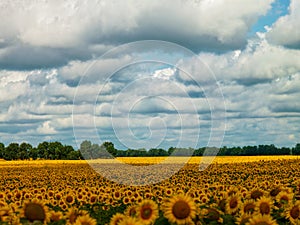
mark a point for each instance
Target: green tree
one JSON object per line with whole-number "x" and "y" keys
{"x": 74, "y": 155}
{"x": 24, "y": 151}
{"x": 109, "y": 146}
{"x": 66, "y": 150}
{"x": 85, "y": 149}
{"x": 43, "y": 150}
{"x": 33, "y": 153}
{"x": 296, "y": 149}
{"x": 2, "y": 149}
{"x": 11, "y": 151}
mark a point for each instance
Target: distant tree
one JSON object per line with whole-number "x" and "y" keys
{"x": 2, "y": 149}
{"x": 55, "y": 150}
{"x": 24, "y": 151}
{"x": 183, "y": 152}
{"x": 11, "y": 151}
{"x": 171, "y": 150}
{"x": 85, "y": 149}
{"x": 109, "y": 146}
{"x": 157, "y": 152}
{"x": 199, "y": 151}
{"x": 283, "y": 151}
{"x": 33, "y": 153}
{"x": 74, "y": 155}
{"x": 296, "y": 149}
{"x": 42, "y": 148}
{"x": 66, "y": 151}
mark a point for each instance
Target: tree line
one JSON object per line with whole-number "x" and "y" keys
{"x": 44, "y": 150}
{"x": 88, "y": 150}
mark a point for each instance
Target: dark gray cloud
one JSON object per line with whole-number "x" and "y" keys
{"x": 26, "y": 57}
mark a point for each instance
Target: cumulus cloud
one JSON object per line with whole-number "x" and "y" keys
{"x": 260, "y": 62}
{"x": 50, "y": 34}
{"x": 52, "y": 79}
{"x": 286, "y": 30}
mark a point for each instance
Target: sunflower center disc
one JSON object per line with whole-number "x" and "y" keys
{"x": 233, "y": 203}
{"x": 295, "y": 212}
{"x": 264, "y": 208}
{"x": 146, "y": 213}
{"x": 181, "y": 210}
{"x": 34, "y": 212}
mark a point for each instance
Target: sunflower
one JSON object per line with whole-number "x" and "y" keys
{"x": 180, "y": 209}
{"x": 93, "y": 199}
{"x": 85, "y": 220}
{"x": 5, "y": 213}
{"x": 117, "y": 195}
{"x": 126, "y": 200}
{"x": 256, "y": 193}
{"x": 69, "y": 199}
{"x": 73, "y": 214}
{"x": 148, "y": 195}
{"x": 130, "y": 221}
{"x": 35, "y": 210}
{"x": 212, "y": 214}
{"x": 131, "y": 210}
{"x": 275, "y": 191}
{"x": 3, "y": 203}
{"x": 243, "y": 219}
{"x": 284, "y": 197}
{"x": 116, "y": 219}
{"x": 2, "y": 195}
{"x": 264, "y": 205}
{"x": 248, "y": 206}
{"x": 293, "y": 213}
{"x": 233, "y": 203}
{"x": 147, "y": 211}
{"x": 168, "y": 191}
{"x": 56, "y": 216}
{"x": 232, "y": 191}
{"x": 259, "y": 219}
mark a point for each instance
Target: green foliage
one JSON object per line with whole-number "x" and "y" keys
{"x": 89, "y": 150}
{"x": 44, "y": 150}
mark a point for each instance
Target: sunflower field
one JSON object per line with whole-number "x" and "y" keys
{"x": 258, "y": 190}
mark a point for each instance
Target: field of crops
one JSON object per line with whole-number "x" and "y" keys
{"x": 232, "y": 190}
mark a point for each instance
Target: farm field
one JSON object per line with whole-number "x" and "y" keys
{"x": 232, "y": 190}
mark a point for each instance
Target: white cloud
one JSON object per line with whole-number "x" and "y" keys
{"x": 259, "y": 62}
{"x": 49, "y": 34}
{"x": 46, "y": 128}
{"x": 286, "y": 30}
{"x": 147, "y": 103}
{"x": 164, "y": 73}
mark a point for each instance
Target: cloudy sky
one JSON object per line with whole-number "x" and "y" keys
{"x": 149, "y": 74}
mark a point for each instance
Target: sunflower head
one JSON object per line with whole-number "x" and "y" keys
{"x": 248, "y": 206}
{"x": 147, "y": 211}
{"x": 243, "y": 219}
{"x": 264, "y": 205}
{"x": 180, "y": 209}
{"x": 213, "y": 214}
{"x": 35, "y": 210}
{"x": 116, "y": 219}
{"x": 85, "y": 220}
{"x": 293, "y": 213}
{"x": 56, "y": 216}
{"x": 284, "y": 197}
{"x": 256, "y": 194}
{"x": 73, "y": 214}
{"x": 233, "y": 203}
{"x": 259, "y": 219}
